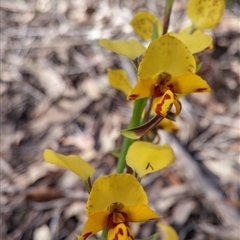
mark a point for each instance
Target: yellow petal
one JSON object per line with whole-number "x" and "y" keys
{"x": 120, "y": 232}
{"x": 166, "y": 54}
{"x": 205, "y": 14}
{"x": 143, "y": 24}
{"x": 162, "y": 104}
{"x": 130, "y": 48}
{"x": 73, "y": 162}
{"x": 169, "y": 232}
{"x": 195, "y": 42}
{"x": 188, "y": 83}
{"x": 145, "y": 157}
{"x": 95, "y": 223}
{"x": 168, "y": 126}
{"x": 191, "y": 31}
{"x": 122, "y": 188}
{"x": 142, "y": 89}
{"x": 140, "y": 213}
{"x": 119, "y": 80}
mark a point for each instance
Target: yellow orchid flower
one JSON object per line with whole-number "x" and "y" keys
{"x": 114, "y": 201}
{"x": 143, "y": 24}
{"x": 73, "y": 162}
{"x": 130, "y": 48}
{"x": 168, "y": 232}
{"x": 119, "y": 80}
{"x": 167, "y": 69}
{"x": 145, "y": 157}
{"x": 205, "y": 14}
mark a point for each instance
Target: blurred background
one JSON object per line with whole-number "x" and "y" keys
{"x": 55, "y": 94}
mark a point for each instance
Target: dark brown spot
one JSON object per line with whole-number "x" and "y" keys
{"x": 166, "y": 97}
{"x": 200, "y": 89}
{"x": 133, "y": 96}
{"x": 120, "y": 231}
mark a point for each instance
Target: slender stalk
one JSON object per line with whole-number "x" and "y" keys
{"x": 134, "y": 122}
{"x": 167, "y": 14}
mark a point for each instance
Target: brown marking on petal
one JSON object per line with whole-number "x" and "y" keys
{"x": 166, "y": 97}
{"x": 130, "y": 235}
{"x": 149, "y": 165}
{"x": 120, "y": 231}
{"x": 158, "y": 109}
{"x": 133, "y": 96}
{"x": 86, "y": 235}
{"x": 200, "y": 89}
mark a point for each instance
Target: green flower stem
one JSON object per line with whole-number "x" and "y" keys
{"x": 134, "y": 122}
{"x": 167, "y": 14}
